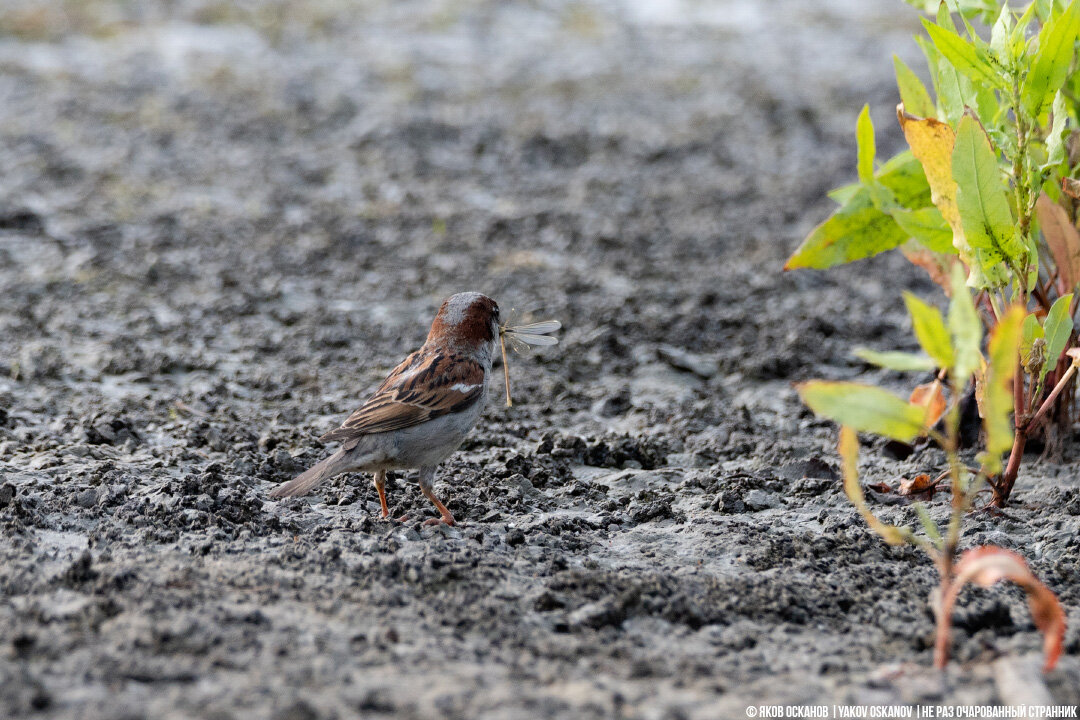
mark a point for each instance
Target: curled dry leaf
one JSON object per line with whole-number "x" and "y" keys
{"x": 880, "y": 487}
{"x": 918, "y": 485}
{"x": 987, "y": 565}
{"x": 932, "y": 397}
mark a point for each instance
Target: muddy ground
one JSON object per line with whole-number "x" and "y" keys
{"x": 221, "y": 224}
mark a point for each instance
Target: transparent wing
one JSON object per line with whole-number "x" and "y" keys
{"x": 537, "y": 328}
{"x": 516, "y": 337}
{"x": 515, "y": 343}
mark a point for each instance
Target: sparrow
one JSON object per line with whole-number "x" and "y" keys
{"x": 423, "y": 410}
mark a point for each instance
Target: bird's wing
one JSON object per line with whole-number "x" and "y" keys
{"x": 428, "y": 384}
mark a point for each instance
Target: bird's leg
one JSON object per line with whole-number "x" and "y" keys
{"x": 380, "y": 485}
{"x": 427, "y": 474}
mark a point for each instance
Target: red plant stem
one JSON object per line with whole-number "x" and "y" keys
{"x": 941, "y": 646}
{"x": 1041, "y": 295}
{"x": 1003, "y": 487}
{"x": 1049, "y": 401}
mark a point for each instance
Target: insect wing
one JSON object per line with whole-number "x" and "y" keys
{"x": 544, "y": 327}
{"x": 516, "y": 343}
{"x": 527, "y": 339}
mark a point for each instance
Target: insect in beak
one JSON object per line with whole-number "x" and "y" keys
{"x": 520, "y": 338}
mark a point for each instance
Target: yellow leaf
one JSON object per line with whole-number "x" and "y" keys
{"x": 1003, "y": 350}
{"x": 932, "y": 142}
{"x": 849, "y": 454}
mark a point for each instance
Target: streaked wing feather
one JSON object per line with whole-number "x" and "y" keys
{"x": 427, "y": 385}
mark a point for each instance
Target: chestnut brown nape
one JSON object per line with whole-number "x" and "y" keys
{"x": 466, "y": 316}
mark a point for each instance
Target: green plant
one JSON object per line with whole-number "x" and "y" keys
{"x": 954, "y": 345}
{"x": 983, "y": 174}
{"x": 984, "y": 171}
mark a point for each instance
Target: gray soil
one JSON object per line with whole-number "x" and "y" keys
{"x": 221, "y": 224}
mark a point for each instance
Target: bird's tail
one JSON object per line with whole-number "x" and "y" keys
{"x": 313, "y": 476}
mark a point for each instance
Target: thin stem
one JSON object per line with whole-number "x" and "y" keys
{"x": 956, "y": 469}
{"x": 1003, "y": 487}
{"x": 1049, "y": 401}
{"x": 1034, "y": 397}
{"x": 996, "y": 304}
{"x": 506, "y": 370}
{"x": 1021, "y": 184}
{"x": 952, "y": 536}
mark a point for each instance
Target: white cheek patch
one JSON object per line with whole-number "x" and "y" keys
{"x": 464, "y": 389}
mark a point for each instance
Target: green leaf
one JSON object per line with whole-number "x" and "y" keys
{"x": 1001, "y": 33}
{"x": 963, "y": 55}
{"x": 953, "y": 89}
{"x": 1030, "y": 331}
{"x": 1032, "y": 260}
{"x": 927, "y": 226}
{"x": 988, "y": 106}
{"x": 912, "y": 91}
{"x": 1058, "y": 326}
{"x": 965, "y": 329}
{"x": 864, "y": 137}
{"x": 863, "y": 226}
{"x": 929, "y": 526}
{"x": 957, "y": 92}
{"x": 1055, "y": 141}
{"x": 981, "y": 199}
{"x": 865, "y": 408}
{"x": 928, "y": 6}
{"x": 1021, "y": 24}
{"x": 855, "y": 231}
{"x": 1003, "y": 351}
{"x": 1051, "y": 64}
{"x": 843, "y": 194}
{"x": 903, "y": 174}
{"x": 932, "y": 57}
{"x": 894, "y": 360}
{"x": 930, "y": 331}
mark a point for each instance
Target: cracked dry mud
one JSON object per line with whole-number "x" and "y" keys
{"x": 220, "y": 225}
